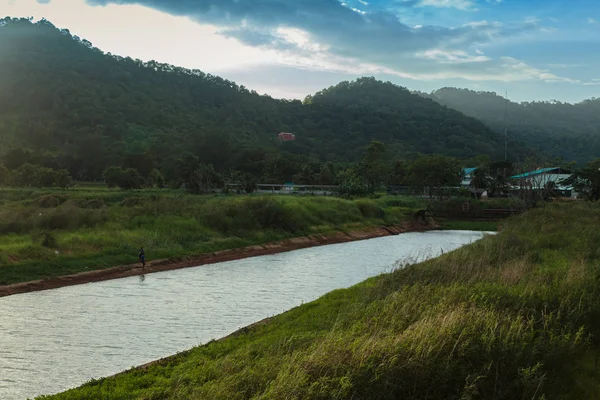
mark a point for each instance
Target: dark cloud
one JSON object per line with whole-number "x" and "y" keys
{"x": 374, "y": 37}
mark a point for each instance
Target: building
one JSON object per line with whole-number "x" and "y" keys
{"x": 542, "y": 177}
{"x": 286, "y": 137}
{"x": 467, "y": 177}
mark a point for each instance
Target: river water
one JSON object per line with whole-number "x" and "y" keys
{"x": 57, "y": 339}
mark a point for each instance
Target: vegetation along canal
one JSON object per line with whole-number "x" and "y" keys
{"x": 57, "y": 339}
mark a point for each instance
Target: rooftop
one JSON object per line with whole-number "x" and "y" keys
{"x": 536, "y": 172}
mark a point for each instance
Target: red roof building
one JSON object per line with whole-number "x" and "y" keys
{"x": 286, "y": 137}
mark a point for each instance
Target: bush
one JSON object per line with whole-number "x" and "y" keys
{"x": 254, "y": 214}
{"x": 132, "y": 201}
{"x": 94, "y": 204}
{"x": 353, "y": 189}
{"x": 68, "y": 216}
{"x": 38, "y": 176}
{"x": 370, "y": 209}
{"x": 126, "y": 179}
{"x": 48, "y": 240}
{"x": 48, "y": 201}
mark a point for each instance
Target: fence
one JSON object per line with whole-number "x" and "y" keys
{"x": 316, "y": 190}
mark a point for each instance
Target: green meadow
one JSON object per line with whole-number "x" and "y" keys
{"x": 513, "y": 316}
{"x": 45, "y": 233}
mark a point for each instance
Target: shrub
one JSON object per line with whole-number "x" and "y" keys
{"x": 94, "y": 204}
{"x": 370, "y": 209}
{"x": 48, "y": 240}
{"x": 132, "y": 201}
{"x": 48, "y": 201}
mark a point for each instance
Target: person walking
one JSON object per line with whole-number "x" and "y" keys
{"x": 142, "y": 257}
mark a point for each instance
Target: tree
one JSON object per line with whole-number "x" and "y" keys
{"x": 327, "y": 174}
{"x": 481, "y": 179}
{"x": 434, "y": 172}
{"x": 14, "y": 158}
{"x": 27, "y": 175}
{"x": 372, "y": 168}
{"x": 112, "y": 175}
{"x": 155, "y": 179}
{"x": 63, "y": 179}
{"x": 399, "y": 173}
{"x": 130, "y": 179}
{"x": 47, "y": 177}
{"x": 198, "y": 177}
{"x": 587, "y": 180}
{"x": 308, "y": 174}
{"x": 248, "y": 183}
{"x": 126, "y": 179}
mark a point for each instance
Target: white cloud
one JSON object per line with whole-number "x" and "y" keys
{"x": 144, "y": 33}
{"x": 458, "y": 4}
{"x": 565, "y": 65}
{"x": 593, "y": 82}
{"x": 451, "y": 57}
{"x": 419, "y": 53}
{"x": 592, "y": 21}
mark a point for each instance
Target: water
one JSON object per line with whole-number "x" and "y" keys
{"x": 53, "y": 340}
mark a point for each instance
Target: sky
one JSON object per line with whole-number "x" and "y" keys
{"x": 531, "y": 49}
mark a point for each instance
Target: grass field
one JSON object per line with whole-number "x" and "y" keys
{"x": 45, "y": 233}
{"x": 513, "y": 316}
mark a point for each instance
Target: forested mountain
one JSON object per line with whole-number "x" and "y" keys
{"x": 66, "y": 104}
{"x": 571, "y": 131}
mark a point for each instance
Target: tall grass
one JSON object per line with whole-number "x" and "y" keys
{"x": 50, "y": 233}
{"x": 513, "y": 316}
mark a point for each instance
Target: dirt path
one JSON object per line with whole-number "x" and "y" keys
{"x": 210, "y": 258}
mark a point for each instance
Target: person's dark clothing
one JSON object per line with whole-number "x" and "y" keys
{"x": 142, "y": 257}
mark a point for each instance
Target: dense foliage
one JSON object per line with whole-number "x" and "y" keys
{"x": 571, "y": 131}
{"x": 586, "y": 180}
{"x": 513, "y": 316}
{"x": 65, "y": 104}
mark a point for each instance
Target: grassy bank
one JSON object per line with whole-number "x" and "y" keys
{"x": 459, "y": 225}
{"x": 52, "y": 233}
{"x": 512, "y": 316}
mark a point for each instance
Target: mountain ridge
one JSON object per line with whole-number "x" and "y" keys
{"x": 67, "y": 104}
{"x": 567, "y": 130}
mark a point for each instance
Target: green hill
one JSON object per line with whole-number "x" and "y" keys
{"x": 66, "y": 104}
{"x": 571, "y": 131}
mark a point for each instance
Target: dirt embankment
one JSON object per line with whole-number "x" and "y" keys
{"x": 211, "y": 258}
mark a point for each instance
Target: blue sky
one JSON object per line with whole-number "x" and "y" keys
{"x": 534, "y": 49}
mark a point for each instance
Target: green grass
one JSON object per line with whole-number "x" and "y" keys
{"x": 488, "y": 226}
{"x": 513, "y": 316}
{"x": 45, "y": 233}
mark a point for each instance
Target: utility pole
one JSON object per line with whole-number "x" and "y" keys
{"x": 506, "y": 126}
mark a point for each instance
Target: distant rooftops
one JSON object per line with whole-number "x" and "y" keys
{"x": 536, "y": 172}
{"x": 286, "y": 137}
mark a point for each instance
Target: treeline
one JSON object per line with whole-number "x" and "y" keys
{"x": 65, "y": 104}
{"x": 376, "y": 169}
{"x": 29, "y": 175}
